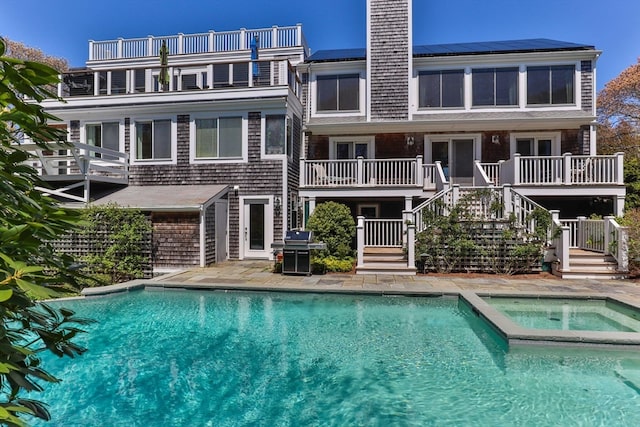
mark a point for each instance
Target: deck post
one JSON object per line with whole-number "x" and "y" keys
{"x": 566, "y": 168}
{"x": 303, "y": 173}
{"x": 507, "y": 200}
{"x": 607, "y": 234}
{"x": 360, "y": 241}
{"x": 620, "y": 168}
{"x": 360, "y": 170}
{"x": 564, "y": 252}
{"x": 419, "y": 172}
{"x": 411, "y": 239}
{"x": 516, "y": 169}
{"x": 580, "y": 231}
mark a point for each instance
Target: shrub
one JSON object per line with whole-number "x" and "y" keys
{"x": 120, "y": 240}
{"x": 631, "y": 220}
{"x": 333, "y": 224}
{"x": 332, "y": 264}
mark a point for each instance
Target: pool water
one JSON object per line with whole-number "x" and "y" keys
{"x": 568, "y": 314}
{"x": 187, "y": 358}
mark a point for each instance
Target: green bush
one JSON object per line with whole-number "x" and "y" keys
{"x": 332, "y": 264}
{"x": 631, "y": 220}
{"x": 120, "y": 240}
{"x": 333, "y": 224}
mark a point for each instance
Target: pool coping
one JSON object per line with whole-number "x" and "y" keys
{"x": 514, "y": 335}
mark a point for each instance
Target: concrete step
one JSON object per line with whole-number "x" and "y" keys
{"x": 387, "y": 269}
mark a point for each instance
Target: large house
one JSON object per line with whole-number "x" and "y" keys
{"x": 229, "y": 139}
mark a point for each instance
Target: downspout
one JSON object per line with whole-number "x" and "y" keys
{"x": 203, "y": 236}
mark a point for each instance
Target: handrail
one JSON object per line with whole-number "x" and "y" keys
{"x": 383, "y": 233}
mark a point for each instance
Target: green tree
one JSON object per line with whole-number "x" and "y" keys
{"x": 30, "y": 269}
{"x": 619, "y": 126}
{"x": 333, "y": 224}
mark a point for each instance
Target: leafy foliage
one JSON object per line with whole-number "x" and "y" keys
{"x": 119, "y": 238}
{"x": 333, "y": 224}
{"x": 462, "y": 240}
{"x": 30, "y": 269}
{"x": 619, "y": 126}
{"x": 631, "y": 220}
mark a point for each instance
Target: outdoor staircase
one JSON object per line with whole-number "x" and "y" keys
{"x": 390, "y": 261}
{"x": 589, "y": 265}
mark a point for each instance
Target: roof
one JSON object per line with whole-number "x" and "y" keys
{"x": 165, "y": 197}
{"x": 474, "y": 48}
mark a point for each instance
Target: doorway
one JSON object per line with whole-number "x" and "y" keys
{"x": 256, "y": 227}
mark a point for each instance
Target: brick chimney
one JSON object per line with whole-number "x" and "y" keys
{"x": 389, "y": 58}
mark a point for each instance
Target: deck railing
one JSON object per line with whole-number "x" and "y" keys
{"x": 383, "y": 233}
{"x": 558, "y": 170}
{"x": 224, "y": 41}
{"x": 362, "y": 172}
{"x": 76, "y": 164}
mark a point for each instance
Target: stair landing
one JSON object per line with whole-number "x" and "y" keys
{"x": 391, "y": 261}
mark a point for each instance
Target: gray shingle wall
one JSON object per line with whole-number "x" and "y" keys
{"x": 389, "y": 59}
{"x": 587, "y": 85}
{"x": 256, "y": 177}
{"x": 176, "y": 239}
{"x": 210, "y": 234}
{"x": 74, "y": 130}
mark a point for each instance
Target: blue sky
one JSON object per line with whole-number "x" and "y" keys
{"x": 63, "y": 27}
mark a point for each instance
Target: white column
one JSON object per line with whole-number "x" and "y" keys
{"x": 419, "y": 172}
{"x": 360, "y": 240}
{"x": 608, "y": 226}
{"x": 618, "y": 205}
{"x": 312, "y": 204}
{"x": 564, "y": 251}
{"x": 303, "y": 174}
{"x": 566, "y": 167}
{"x": 620, "y": 168}
{"x": 180, "y": 43}
{"x": 516, "y": 169}
{"x": 507, "y": 201}
{"x": 359, "y": 170}
{"x": 150, "y": 45}
{"x": 212, "y": 35}
{"x": 411, "y": 245}
{"x": 408, "y": 203}
{"x": 580, "y": 231}
{"x": 91, "y": 57}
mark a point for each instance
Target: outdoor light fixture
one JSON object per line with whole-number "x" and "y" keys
{"x": 410, "y": 140}
{"x": 236, "y": 188}
{"x": 495, "y": 139}
{"x": 277, "y": 204}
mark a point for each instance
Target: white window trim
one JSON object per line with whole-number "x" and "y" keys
{"x": 361, "y": 89}
{"x": 369, "y": 140}
{"x": 429, "y": 139}
{"x": 376, "y": 206}
{"x": 263, "y": 133}
{"x": 244, "y": 158}
{"x": 555, "y": 137}
{"x": 466, "y": 90}
{"x": 174, "y": 138}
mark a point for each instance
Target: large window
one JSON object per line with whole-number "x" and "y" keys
{"x": 495, "y": 86}
{"x": 153, "y": 140}
{"x": 338, "y": 92}
{"x": 441, "y": 89}
{"x": 549, "y": 85}
{"x": 103, "y": 135}
{"x": 218, "y": 138}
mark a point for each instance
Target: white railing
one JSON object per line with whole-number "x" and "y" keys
{"x": 362, "y": 172}
{"x": 561, "y": 170}
{"x": 491, "y": 171}
{"x": 225, "y": 41}
{"x": 572, "y": 224}
{"x": 591, "y": 234}
{"x": 383, "y": 233}
{"x": 78, "y": 164}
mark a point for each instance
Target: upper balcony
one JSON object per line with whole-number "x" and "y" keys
{"x": 211, "y": 42}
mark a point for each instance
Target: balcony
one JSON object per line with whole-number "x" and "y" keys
{"x": 179, "y": 44}
{"x": 207, "y": 76}
{"x": 565, "y": 175}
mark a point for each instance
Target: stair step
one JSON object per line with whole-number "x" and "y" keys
{"x": 383, "y": 268}
{"x": 388, "y": 258}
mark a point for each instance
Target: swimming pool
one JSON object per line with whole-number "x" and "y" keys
{"x": 173, "y": 358}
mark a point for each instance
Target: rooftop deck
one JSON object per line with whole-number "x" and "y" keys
{"x": 212, "y": 41}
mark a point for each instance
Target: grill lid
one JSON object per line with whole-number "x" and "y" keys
{"x": 297, "y": 236}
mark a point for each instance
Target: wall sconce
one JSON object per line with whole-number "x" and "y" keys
{"x": 277, "y": 205}
{"x": 236, "y": 188}
{"x": 410, "y": 140}
{"x": 495, "y": 139}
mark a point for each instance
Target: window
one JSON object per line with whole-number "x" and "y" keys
{"x": 495, "y": 86}
{"x": 550, "y": 85}
{"x": 276, "y": 134}
{"x": 218, "y": 137}
{"x": 338, "y": 92}
{"x": 103, "y": 135}
{"x": 221, "y": 75}
{"x": 441, "y": 89}
{"x": 533, "y": 147}
{"x": 118, "y": 82}
{"x": 153, "y": 140}
{"x": 139, "y": 77}
{"x": 345, "y": 148}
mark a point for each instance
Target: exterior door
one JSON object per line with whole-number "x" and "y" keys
{"x": 462, "y": 161}
{"x": 257, "y": 228}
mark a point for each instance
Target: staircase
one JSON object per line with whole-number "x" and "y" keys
{"x": 385, "y": 261}
{"x": 589, "y": 265}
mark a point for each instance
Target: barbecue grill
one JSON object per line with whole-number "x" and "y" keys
{"x": 296, "y": 251}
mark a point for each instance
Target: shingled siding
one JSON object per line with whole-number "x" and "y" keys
{"x": 74, "y": 130}
{"x": 586, "y": 68}
{"x": 256, "y": 177}
{"x": 176, "y": 239}
{"x": 293, "y": 174}
{"x": 388, "y": 59}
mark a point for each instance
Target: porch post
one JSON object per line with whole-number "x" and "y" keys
{"x": 618, "y": 205}
{"x": 516, "y": 169}
{"x": 360, "y": 241}
{"x": 564, "y": 253}
{"x": 419, "y": 172}
{"x": 455, "y": 195}
{"x": 620, "y": 168}
{"x": 566, "y": 167}
{"x": 507, "y": 200}
{"x": 312, "y": 204}
{"x": 360, "y": 170}
{"x": 411, "y": 242}
{"x": 303, "y": 174}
